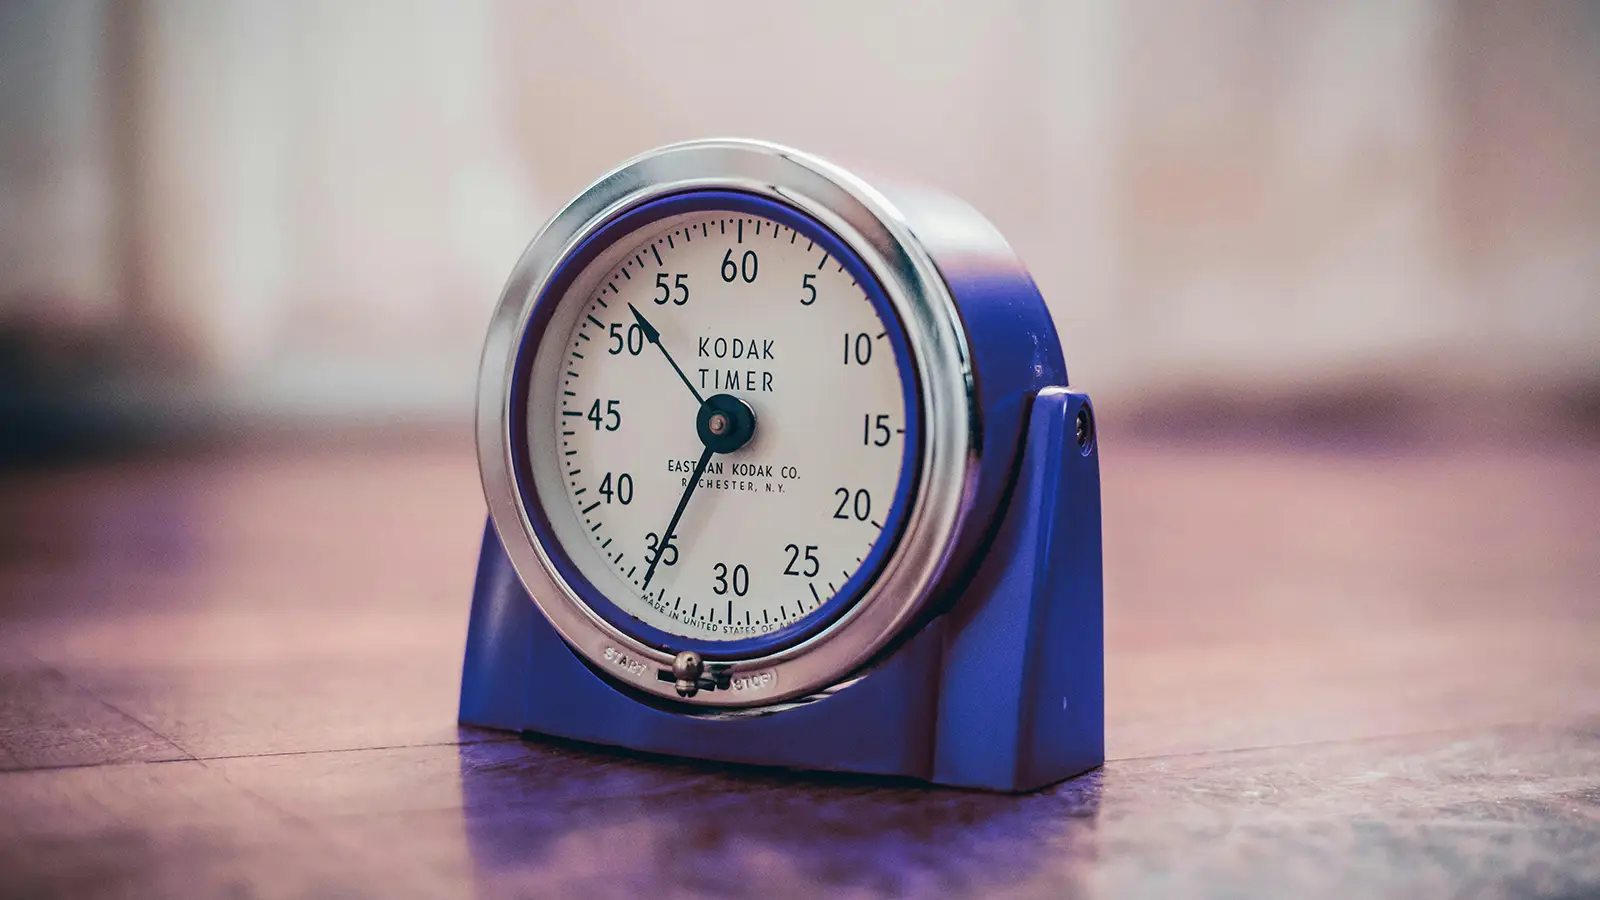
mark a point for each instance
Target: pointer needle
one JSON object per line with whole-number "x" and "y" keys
{"x": 654, "y": 337}
{"x": 666, "y": 536}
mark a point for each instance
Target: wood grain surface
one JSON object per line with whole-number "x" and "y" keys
{"x": 234, "y": 673}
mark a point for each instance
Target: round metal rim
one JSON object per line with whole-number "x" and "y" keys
{"x": 877, "y": 232}
{"x": 527, "y": 470}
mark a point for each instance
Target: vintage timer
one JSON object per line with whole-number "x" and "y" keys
{"x": 783, "y": 468}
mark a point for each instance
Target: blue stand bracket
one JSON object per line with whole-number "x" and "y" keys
{"x": 1003, "y": 691}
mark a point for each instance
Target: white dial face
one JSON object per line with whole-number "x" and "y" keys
{"x": 682, "y": 313}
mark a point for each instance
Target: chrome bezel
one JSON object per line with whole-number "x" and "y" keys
{"x": 872, "y": 226}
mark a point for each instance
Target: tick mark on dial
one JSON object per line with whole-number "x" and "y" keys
{"x": 591, "y": 507}
{"x": 597, "y": 322}
{"x": 656, "y": 255}
{"x": 823, "y": 263}
{"x": 876, "y": 524}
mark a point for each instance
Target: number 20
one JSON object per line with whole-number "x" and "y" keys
{"x": 858, "y": 504}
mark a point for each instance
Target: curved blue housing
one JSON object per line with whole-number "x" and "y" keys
{"x": 1015, "y": 354}
{"x": 619, "y": 228}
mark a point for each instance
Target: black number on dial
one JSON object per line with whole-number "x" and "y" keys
{"x": 610, "y": 418}
{"x": 858, "y": 348}
{"x": 810, "y": 289}
{"x": 669, "y": 556}
{"x": 875, "y": 430}
{"x": 677, "y": 291}
{"x": 745, "y": 268}
{"x": 622, "y": 490}
{"x": 858, "y": 504}
{"x": 812, "y": 564}
{"x": 633, "y": 343}
{"x": 738, "y": 579}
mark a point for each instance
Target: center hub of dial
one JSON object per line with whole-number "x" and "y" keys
{"x": 725, "y": 423}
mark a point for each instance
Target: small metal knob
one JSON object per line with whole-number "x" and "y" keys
{"x": 686, "y": 667}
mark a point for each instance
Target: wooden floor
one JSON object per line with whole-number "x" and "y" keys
{"x": 1330, "y": 674}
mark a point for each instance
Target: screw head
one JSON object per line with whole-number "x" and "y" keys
{"x": 717, "y": 424}
{"x": 1084, "y": 431}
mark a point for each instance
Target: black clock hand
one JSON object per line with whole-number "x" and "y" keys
{"x": 654, "y": 337}
{"x": 666, "y": 537}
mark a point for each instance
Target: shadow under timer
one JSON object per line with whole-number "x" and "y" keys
{"x": 782, "y": 469}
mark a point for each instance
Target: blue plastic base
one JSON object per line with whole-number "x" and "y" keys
{"x": 1005, "y": 692}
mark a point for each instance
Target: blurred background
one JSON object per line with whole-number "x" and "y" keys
{"x": 218, "y": 215}
{"x": 1331, "y": 272}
